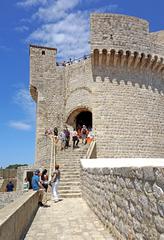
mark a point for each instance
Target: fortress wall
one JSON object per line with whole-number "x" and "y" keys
{"x": 128, "y": 200}
{"x": 50, "y": 112}
{"x": 78, "y": 75}
{"x": 42, "y": 60}
{"x": 114, "y": 31}
{"x": 49, "y": 83}
{"x": 128, "y": 114}
{"x": 78, "y": 84}
{"x": 80, "y": 98}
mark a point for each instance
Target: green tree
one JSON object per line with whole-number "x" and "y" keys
{"x": 15, "y": 166}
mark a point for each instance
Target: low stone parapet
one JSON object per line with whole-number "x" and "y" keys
{"x": 127, "y": 195}
{"x": 16, "y": 217}
{"x": 9, "y": 197}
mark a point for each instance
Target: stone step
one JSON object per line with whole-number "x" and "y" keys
{"x": 69, "y": 165}
{"x": 65, "y": 169}
{"x": 68, "y": 183}
{"x": 69, "y": 161}
{"x": 70, "y": 179}
{"x": 70, "y": 195}
{"x": 70, "y": 174}
{"x": 75, "y": 161}
{"x": 69, "y": 187}
{"x": 72, "y": 154}
{"x": 73, "y": 170}
{"x": 70, "y": 191}
{"x": 68, "y": 168}
{"x": 65, "y": 175}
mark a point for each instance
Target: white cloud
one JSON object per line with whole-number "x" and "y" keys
{"x": 29, "y": 3}
{"x": 24, "y": 100}
{"x": 19, "y": 125}
{"x": 56, "y": 10}
{"x": 22, "y": 28}
{"x": 70, "y": 35}
{"x": 64, "y": 25}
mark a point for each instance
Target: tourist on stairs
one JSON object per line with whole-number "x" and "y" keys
{"x": 55, "y": 183}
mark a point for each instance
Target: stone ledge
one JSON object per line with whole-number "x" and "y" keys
{"x": 16, "y": 217}
{"x": 122, "y": 162}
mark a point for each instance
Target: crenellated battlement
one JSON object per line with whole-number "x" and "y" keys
{"x": 132, "y": 60}
{"x": 114, "y": 31}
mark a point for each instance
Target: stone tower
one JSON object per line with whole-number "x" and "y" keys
{"x": 119, "y": 89}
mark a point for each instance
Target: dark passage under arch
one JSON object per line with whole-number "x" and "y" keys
{"x": 84, "y": 118}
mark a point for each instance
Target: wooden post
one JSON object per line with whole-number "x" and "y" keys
{"x": 51, "y": 160}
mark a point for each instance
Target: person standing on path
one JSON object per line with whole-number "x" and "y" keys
{"x": 37, "y": 186}
{"x": 55, "y": 183}
{"x": 26, "y": 185}
{"x": 44, "y": 179}
{"x": 10, "y": 186}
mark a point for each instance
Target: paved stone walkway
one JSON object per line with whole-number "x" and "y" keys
{"x": 70, "y": 219}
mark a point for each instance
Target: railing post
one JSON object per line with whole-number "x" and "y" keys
{"x": 51, "y": 160}
{"x": 54, "y": 154}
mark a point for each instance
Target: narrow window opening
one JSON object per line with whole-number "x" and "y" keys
{"x": 43, "y": 52}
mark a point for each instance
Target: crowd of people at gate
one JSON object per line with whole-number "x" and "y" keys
{"x": 66, "y": 138}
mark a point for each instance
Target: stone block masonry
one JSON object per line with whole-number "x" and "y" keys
{"x": 128, "y": 200}
{"x": 121, "y": 85}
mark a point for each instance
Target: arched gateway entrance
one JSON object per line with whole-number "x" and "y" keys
{"x": 84, "y": 118}
{"x": 79, "y": 117}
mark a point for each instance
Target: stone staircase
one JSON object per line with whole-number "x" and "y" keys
{"x": 69, "y": 161}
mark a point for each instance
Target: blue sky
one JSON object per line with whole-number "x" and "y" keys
{"x": 63, "y": 24}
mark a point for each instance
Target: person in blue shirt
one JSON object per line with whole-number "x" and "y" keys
{"x": 37, "y": 186}
{"x": 10, "y": 187}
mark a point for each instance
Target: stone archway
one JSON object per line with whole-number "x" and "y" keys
{"x": 80, "y": 116}
{"x": 84, "y": 118}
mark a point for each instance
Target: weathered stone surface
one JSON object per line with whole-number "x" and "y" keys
{"x": 160, "y": 206}
{"x": 158, "y": 192}
{"x": 147, "y": 188}
{"x": 129, "y": 183}
{"x": 69, "y": 219}
{"x": 127, "y": 209}
{"x": 8, "y": 197}
{"x": 137, "y": 226}
{"x": 161, "y": 237}
{"x": 148, "y": 174}
{"x": 160, "y": 178}
{"x": 159, "y": 222}
{"x": 138, "y": 185}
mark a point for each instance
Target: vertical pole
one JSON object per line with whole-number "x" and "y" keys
{"x": 54, "y": 154}
{"x": 51, "y": 160}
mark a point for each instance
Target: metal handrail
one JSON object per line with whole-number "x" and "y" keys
{"x": 65, "y": 63}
